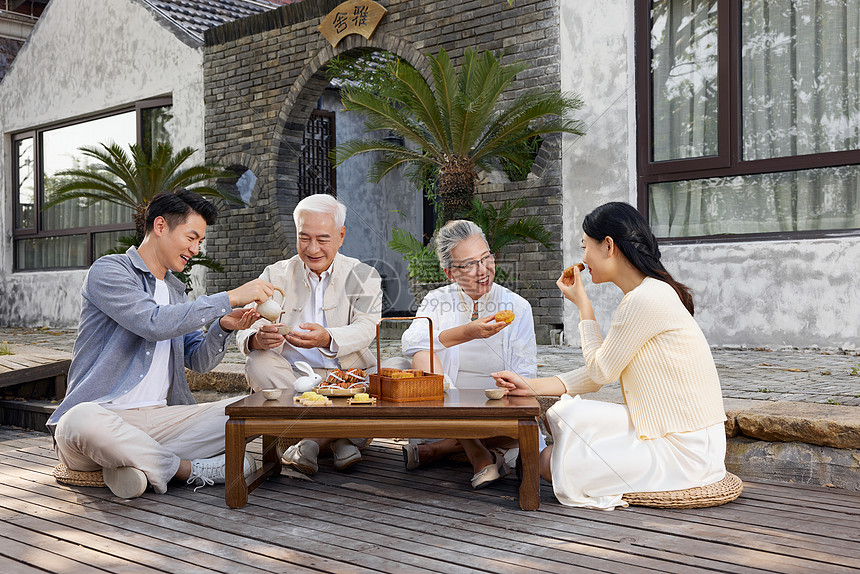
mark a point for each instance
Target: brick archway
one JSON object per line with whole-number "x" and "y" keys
{"x": 285, "y": 146}
{"x": 263, "y": 75}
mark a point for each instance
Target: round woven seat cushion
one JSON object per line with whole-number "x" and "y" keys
{"x": 715, "y": 494}
{"x": 64, "y": 475}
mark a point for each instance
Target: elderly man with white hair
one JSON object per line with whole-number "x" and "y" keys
{"x": 333, "y": 303}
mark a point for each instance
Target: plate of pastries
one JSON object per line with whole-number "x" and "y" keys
{"x": 341, "y": 383}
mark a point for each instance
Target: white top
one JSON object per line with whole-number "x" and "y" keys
{"x": 152, "y": 389}
{"x": 313, "y": 313}
{"x": 513, "y": 348}
{"x": 479, "y": 358}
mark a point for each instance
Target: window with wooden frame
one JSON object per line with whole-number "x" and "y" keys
{"x": 748, "y": 115}
{"x": 73, "y": 234}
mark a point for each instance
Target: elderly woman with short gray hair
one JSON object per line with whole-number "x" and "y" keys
{"x": 469, "y": 343}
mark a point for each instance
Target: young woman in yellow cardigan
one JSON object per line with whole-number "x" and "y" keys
{"x": 668, "y": 434}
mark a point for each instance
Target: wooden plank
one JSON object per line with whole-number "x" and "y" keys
{"x": 28, "y": 556}
{"x": 383, "y": 518}
{"x": 149, "y": 513}
{"x": 619, "y": 512}
{"x": 666, "y": 540}
{"x": 34, "y": 373}
{"x": 25, "y": 361}
{"x": 54, "y": 543}
{"x": 264, "y": 534}
{"x": 486, "y": 535}
{"x": 118, "y": 531}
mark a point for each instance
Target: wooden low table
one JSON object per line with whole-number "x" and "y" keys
{"x": 462, "y": 414}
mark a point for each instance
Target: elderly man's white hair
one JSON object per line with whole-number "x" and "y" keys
{"x": 320, "y": 203}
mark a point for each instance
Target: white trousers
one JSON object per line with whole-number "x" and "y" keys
{"x": 151, "y": 439}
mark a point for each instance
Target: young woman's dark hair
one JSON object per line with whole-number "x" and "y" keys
{"x": 176, "y": 206}
{"x": 631, "y": 233}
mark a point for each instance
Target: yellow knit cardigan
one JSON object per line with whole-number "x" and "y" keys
{"x": 660, "y": 355}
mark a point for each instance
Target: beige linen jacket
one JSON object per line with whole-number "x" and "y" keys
{"x": 352, "y": 306}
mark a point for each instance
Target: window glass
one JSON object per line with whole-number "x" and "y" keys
{"x": 60, "y": 152}
{"x": 52, "y": 252}
{"x": 157, "y": 127}
{"x": 807, "y": 200}
{"x": 800, "y": 77}
{"x": 684, "y": 86}
{"x": 108, "y": 241}
{"x": 25, "y": 192}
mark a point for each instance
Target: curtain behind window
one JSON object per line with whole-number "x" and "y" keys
{"x": 800, "y": 94}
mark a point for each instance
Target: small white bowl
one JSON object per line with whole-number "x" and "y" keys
{"x": 284, "y": 330}
{"x": 271, "y": 394}
{"x": 494, "y": 394}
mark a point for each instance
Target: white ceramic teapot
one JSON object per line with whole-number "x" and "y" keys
{"x": 271, "y": 309}
{"x": 307, "y": 382}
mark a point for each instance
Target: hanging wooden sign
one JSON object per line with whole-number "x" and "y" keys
{"x": 352, "y": 17}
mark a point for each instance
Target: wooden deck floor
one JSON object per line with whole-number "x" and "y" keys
{"x": 382, "y": 518}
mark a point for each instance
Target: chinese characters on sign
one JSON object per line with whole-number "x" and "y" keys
{"x": 352, "y": 17}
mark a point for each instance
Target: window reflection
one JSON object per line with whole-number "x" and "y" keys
{"x": 800, "y": 70}
{"x": 26, "y": 196}
{"x": 157, "y": 127}
{"x": 52, "y": 252}
{"x": 684, "y": 78}
{"x": 60, "y": 152}
{"x": 807, "y": 200}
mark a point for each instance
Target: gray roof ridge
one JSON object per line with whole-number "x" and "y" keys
{"x": 185, "y": 35}
{"x": 193, "y": 35}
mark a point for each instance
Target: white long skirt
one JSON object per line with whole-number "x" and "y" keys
{"x": 598, "y": 456}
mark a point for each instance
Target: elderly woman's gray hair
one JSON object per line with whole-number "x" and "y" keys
{"x": 451, "y": 234}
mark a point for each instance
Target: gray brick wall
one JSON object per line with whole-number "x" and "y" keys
{"x": 264, "y": 74}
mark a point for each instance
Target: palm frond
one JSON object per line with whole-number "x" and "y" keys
{"x": 445, "y": 83}
{"x": 382, "y": 115}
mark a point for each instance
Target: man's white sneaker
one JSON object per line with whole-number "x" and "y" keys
{"x": 125, "y": 481}
{"x": 209, "y": 471}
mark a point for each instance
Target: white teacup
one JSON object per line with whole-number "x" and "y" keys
{"x": 271, "y": 394}
{"x": 284, "y": 330}
{"x": 494, "y": 394}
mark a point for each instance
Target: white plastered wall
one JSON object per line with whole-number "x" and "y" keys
{"x": 85, "y": 57}
{"x": 772, "y": 294}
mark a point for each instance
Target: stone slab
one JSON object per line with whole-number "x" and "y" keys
{"x": 228, "y": 378}
{"x": 835, "y": 426}
{"x": 794, "y": 462}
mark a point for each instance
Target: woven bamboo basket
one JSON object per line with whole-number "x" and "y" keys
{"x": 428, "y": 387}
{"x": 715, "y": 494}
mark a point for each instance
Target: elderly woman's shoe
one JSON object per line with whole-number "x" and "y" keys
{"x": 491, "y": 473}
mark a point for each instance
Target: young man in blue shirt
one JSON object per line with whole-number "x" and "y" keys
{"x": 128, "y": 409}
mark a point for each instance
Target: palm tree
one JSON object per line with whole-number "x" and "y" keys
{"x": 133, "y": 180}
{"x": 455, "y": 127}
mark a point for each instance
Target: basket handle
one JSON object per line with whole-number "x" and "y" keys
{"x": 378, "y": 350}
